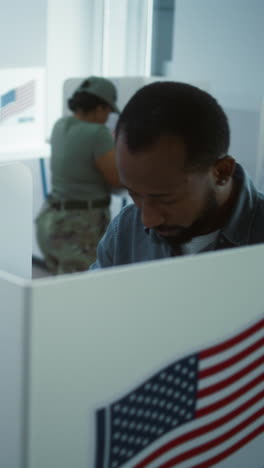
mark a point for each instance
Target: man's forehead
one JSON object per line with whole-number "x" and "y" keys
{"x": 155, "y": 170}
{"x": 148, "y": 180}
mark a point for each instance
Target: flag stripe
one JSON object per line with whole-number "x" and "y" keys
{"x": 204, "y": 392}
{"x": 15, "y": 109}
{"x": 200, "y": 431}
{"x": 214, "y": 442}
{"x": 12, "y": 92}
{"x": 233, "y": 360}
{"x": 17, "y": 106}
{"x": 232, "y": 341}
{"x": 207, "y": 382}
{"x": 225, "y": 401}
{"x": 23, "y": 98}
{"x": 220, "y": 357}
{"x": 221, "y": 456}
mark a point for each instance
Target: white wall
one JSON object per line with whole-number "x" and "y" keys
{"x": 53, "y": 34}
{"x": 69, "y": 47}
{"x": 128, "y": 26}
{"x": 23, "y": 33}
{"x": 16, "y": 220}
{"x": 13, "y": 346}
{"x": 221, "y": 41}
{"x": 74, "y": 38}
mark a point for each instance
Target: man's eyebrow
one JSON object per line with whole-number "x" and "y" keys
{"x": 167, "y": 194}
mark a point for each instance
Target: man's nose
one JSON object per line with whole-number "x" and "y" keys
{"x": 150, "y": 214}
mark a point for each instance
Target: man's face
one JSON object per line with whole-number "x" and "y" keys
{"x": 178, "y": 204}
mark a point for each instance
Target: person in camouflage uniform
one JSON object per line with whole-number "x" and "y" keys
{"x": 68, "y": 239}
{"x": 83, "y": 171}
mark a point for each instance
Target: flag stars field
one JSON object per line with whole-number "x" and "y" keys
{"x": 200, "y": 409}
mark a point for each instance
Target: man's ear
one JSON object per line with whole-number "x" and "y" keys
{"x": 224, "y": 169}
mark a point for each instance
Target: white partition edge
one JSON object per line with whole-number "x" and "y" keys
{"x": 97, "y": 336}
{"x": 14, "y": 334}
{"x": 260, "y": 149}
{"x": 16, "y": 219}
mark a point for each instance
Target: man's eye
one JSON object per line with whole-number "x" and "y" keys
{"x": 169, "y": 201}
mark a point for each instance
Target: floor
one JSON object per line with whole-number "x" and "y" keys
{"x": 39, "y": 271}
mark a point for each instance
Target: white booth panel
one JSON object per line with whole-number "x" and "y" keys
{"x": 97, "y": 338}
{"x": 260, "y": 150}
{"x": 16, "y": 219}
{"x": 22, "y": 113}
{"x": 94, "y": 357}
{"x": 126, "y": 86}
{"x": 13, "y": 344}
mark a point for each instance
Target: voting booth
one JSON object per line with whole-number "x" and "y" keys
{"x": 151, "y": 365}
{"x": 22, "y": 129}
{"x": 260, "y": 148}
{"x": 22, "y": 113}
{"x": 22, "y": 138}
{"x": 126, "y": 86}
{"x": 16, "y": 219}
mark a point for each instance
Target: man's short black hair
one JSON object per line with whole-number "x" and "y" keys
{"x": 181, "y": 110}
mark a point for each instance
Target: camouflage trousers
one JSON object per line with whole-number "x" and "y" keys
{"x": 68, "y": 238}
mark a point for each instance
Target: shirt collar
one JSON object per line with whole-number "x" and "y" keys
{"x": 237, "y": 229}
{"x": 154, "y": 235}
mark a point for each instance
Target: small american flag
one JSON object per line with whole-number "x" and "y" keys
{"x": 17, "y": 100}
{"x": 195, "y": 412}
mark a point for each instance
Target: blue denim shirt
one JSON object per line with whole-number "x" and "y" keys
{"x": 128, "y": 241}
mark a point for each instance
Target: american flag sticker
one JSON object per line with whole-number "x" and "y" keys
{"x": 195, "y": 412}
{"x": 17, "y": 100}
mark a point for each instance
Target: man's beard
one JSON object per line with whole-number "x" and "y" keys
{"x": 199, "y": 227}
